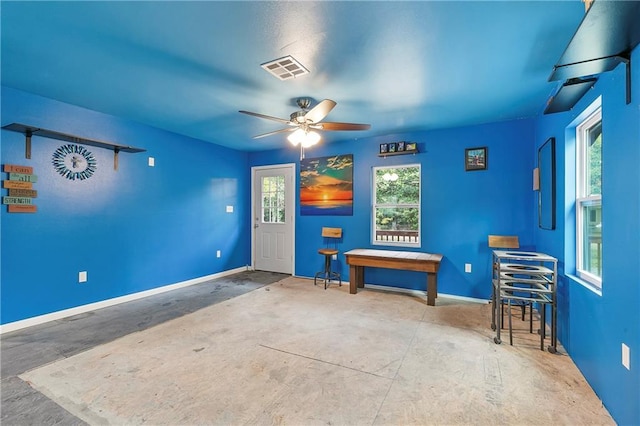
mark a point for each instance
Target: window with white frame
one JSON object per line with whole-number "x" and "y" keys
{"x": 396, "y": 206}
{"x": 273, "y": 204}
{"x": 589, "y": 199}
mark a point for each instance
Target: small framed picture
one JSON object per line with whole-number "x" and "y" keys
{"x": 410, "y": 146}
{"x": 383, "y": 148}
{"x": 392, "y": 147}
{"x": 400, "y": 146}
{"x": 475, "y": 159}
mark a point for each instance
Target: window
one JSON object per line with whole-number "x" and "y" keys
{"x": 589, "y": 199}
{"x": 273, "y": 199}
{"x": 396, "y": 206}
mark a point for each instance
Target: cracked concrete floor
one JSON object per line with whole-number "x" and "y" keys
{"x": 293, "y": 353}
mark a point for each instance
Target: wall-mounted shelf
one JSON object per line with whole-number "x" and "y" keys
{"x": 30, "y": 131}
{"x": 609, "y": 31}
{"x": 390, "y": 154}
{"x": 397, "y": 148}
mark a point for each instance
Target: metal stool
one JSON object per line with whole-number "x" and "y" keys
{"x": 329, "y": 234}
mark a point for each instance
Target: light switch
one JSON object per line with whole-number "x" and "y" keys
{"x": 152, "y": 162}
{"x": 625, "y": 357}
{"x": 229, "y": 209}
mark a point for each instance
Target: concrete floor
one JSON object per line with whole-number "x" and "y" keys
{"x": 291, "y": 353}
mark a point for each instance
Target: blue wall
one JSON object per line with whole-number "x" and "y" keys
{"x": 133, "y": 229}
{"x": 141, "y": 227}
{"x": 592, "y": 327}
{"x": 459, "y": 209}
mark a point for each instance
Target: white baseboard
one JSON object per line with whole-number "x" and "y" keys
{"x": 424, "y": 293}
{"x": 41, "y": 319}
{"x": 411, "y": 291}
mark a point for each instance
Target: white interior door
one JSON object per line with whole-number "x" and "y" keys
{"x": 273, "y": 218}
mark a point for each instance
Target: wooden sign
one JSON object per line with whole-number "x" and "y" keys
{"x": 22, "y": 208}
{"x": 12, "y": 168}
{"x": 17, "y": 200}
{"x": 14, "y": 184}
{"x": 23, "y": 177}
{"x": 23, "y": 193}
{"x": 20, "y": 189}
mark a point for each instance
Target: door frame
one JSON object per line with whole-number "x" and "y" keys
{"x": 291, "y": 198}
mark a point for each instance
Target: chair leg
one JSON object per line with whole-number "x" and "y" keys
{"x": 327, "y": 274}
{"x": 327, "y": 270}
{"x": 510, "y": 327}
{"x": 531, "y": 317}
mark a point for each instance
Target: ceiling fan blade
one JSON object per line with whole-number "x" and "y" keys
{"x": 268, "y": 117}
{"x": 340, "y": 126}
{"x": 275, "y": 132}
{"x": 320, "y": 111}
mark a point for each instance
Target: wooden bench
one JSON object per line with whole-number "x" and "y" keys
{"x": 357, "y": 259}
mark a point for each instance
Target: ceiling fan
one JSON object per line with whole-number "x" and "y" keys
{"x": 302, "y": 123}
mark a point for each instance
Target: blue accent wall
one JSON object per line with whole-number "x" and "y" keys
{"x": 133, "y": 229}
{"x": 459, "y": 208}
{"x": 592, "y": 327}
{"x": 144, "y": 227}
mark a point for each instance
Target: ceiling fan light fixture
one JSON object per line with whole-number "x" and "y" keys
{"x": 285, "y": 68}
{"x": 311, "y": 138}
{"x": 304, "y": 138}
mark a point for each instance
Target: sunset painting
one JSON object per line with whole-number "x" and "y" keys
{"x": 326, "y": 186}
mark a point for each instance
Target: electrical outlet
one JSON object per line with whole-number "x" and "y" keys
{"x": 334, "y": 257}
{"x": 467, "y": 268}
{"x": 229, "y": 209}
{"x": 626, "y": 355}
{"x": 218, "y": 253}
{"x": 82, "y": 276}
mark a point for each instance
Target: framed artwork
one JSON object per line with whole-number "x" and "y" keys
{"x": 400, "y": 147}
{"x": 475, "y": 159}
{"x": 547, "y": 185}
{"x": 410, "y": 146}
{"x": 383, "y": 148}
{"x": 326, "y": 186}
{"x": 392, "y": 147}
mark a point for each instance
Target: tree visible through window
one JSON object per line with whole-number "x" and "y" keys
{"x": 396, "y": 209}
{"x": 589, "y": 199}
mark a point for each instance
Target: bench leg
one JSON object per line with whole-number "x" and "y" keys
{"x": 432, "y": 289}
{"x": 353, "y": 277}
{"x": 356, "y": 278}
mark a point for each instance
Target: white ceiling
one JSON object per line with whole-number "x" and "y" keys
{"x": 188, "y": 67}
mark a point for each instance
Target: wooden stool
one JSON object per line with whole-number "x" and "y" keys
{"x": 327, "y": 274}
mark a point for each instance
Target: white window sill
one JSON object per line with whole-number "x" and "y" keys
{"x": 391, "y": 244}
{"x": 585, "y": 284}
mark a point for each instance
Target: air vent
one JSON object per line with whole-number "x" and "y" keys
{"x": 285, "y": 68}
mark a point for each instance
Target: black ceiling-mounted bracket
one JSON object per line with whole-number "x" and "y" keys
{"x": 591, "y": 67}
{"x": 605, "y": 38}
{"x": 569, "y": 94}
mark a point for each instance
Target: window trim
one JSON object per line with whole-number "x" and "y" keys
{"x": 375, "y": 206}
{"x": 582, "y": 200}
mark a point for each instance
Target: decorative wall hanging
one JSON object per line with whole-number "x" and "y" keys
{"x": 547, "y": 185}
{"x": 475, "y": 159}
{"x": 326, "y": 186}
{"x": 74, "y": 162}
{"x": 20, "y": 192}
{"x": 398, "y": 148}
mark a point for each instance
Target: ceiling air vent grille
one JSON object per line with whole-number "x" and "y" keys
{"x": 285, "y": 68}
